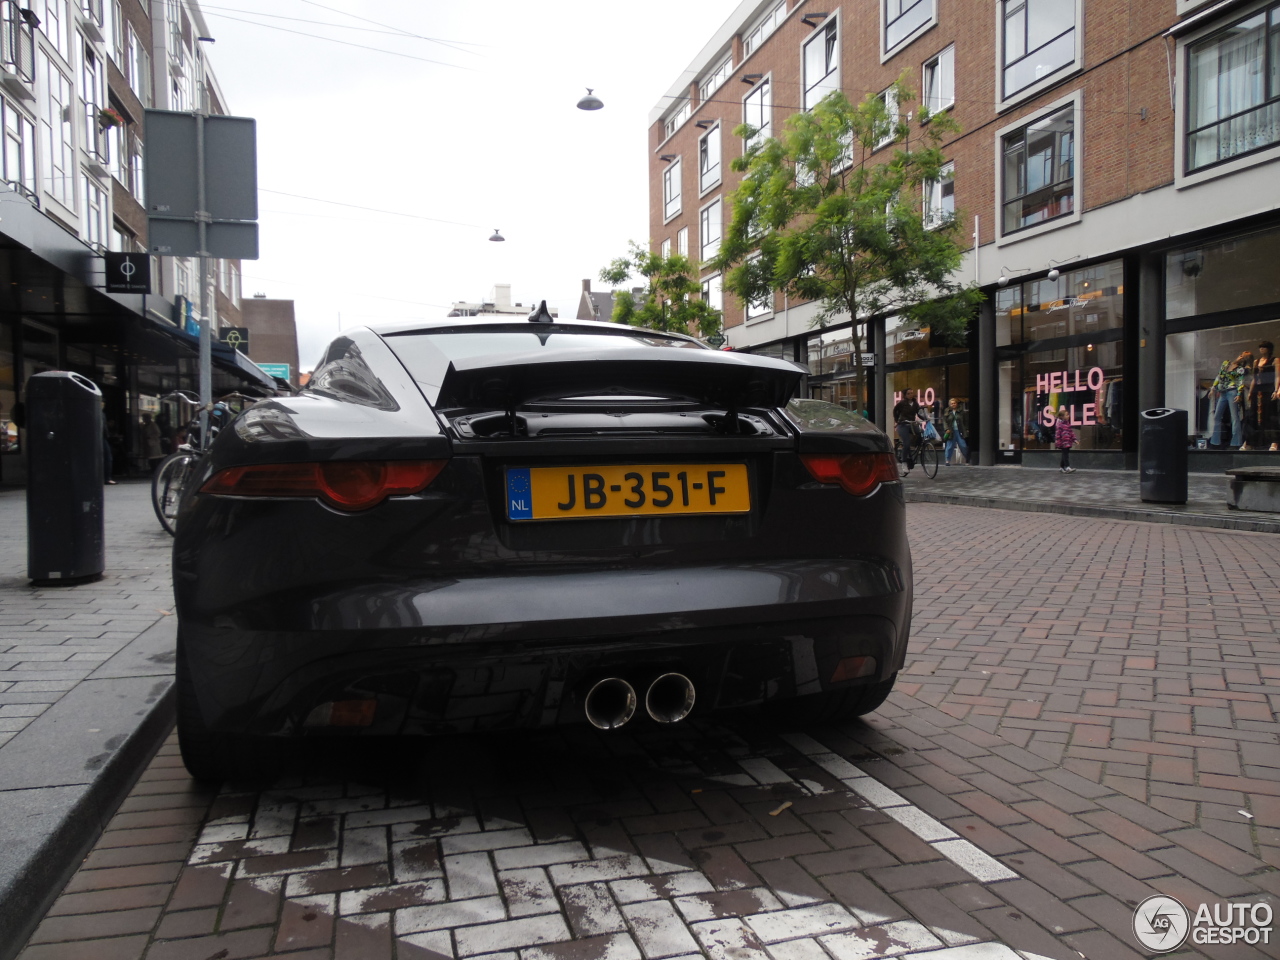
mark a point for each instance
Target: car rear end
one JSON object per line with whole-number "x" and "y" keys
{"x": 580, "y": 532}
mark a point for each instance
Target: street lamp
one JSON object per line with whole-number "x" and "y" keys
{"x": 590, "y": 101}
{"x": 497, "y": 237}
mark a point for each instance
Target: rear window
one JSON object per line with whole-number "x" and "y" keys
{"x": 427, "y": 355}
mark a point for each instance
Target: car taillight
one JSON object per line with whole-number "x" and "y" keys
{"x": 345, "y": 484}
{"x": 857, "y": 473}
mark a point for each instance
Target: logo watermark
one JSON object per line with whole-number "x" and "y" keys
{"x": 1161, "y": 923}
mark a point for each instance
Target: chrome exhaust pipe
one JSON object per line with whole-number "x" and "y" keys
{"x": 610, "y": 703}
{"x": 670, "y": 698}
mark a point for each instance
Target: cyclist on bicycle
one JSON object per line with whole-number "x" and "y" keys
{"x": 905, "y": 418}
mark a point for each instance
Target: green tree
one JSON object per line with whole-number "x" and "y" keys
{"x": 668, "y": 299}
{"x": 827, "y": 214}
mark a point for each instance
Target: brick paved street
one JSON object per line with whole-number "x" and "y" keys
{"x": 1087, "y": 719}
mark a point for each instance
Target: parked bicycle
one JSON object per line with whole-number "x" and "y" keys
{"x": 169, "y": 482}
{"x": 925, "y": 453}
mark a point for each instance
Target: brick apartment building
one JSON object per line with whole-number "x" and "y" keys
{"x": 75, "y": 78}
{"x": 1130, "y": 146}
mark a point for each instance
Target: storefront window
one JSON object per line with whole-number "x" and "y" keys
{"x": 1082, "y": 385}
{"x": 833, "y": 351}
{"x": 903, "y": 343}
{"x": 8, "y": 392}
{"x": 935, "y": 388}
{"x": 1192, "y": 363}
{"x": 1221, "y": 276}
{"x": 1082, "y": 301}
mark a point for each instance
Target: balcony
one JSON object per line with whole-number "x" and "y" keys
{"x": 17, "y": 50}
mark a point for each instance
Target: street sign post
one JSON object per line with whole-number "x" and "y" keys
{"x": 202, "y": 201}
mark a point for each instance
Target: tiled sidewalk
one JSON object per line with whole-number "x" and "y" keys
{"x": 1105, "y": 494}
{"x": 85, "y": 679}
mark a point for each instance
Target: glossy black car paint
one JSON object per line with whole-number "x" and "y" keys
{"x": 454, "y": 618}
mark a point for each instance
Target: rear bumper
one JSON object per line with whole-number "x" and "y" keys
{"x": 267, "y": 682}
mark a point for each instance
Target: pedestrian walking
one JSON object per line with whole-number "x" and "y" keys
{"x": 953, "y": 430}
{"x": 152, "y": 449}
{"x": 1064, "y": 438}
{"x": 905, "y": 412}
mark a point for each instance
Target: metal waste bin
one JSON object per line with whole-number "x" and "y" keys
{"x": 1162, "y": 455}
{"x": 64, "y": 479}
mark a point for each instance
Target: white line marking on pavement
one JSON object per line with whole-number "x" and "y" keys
{"x": 959, "y": 851}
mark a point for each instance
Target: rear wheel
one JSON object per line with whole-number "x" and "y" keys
{"x": 843, "y": 704}
{"x": 928, "y": 457}
{"x": 211, "y": 755}
{"x": 902, "y": 462}
{"x": 167, "y": 486}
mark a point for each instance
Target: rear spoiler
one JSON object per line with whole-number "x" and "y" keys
{"x": 728, "y": 380}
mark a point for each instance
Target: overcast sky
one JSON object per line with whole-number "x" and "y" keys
{"x": 487, "y": 137}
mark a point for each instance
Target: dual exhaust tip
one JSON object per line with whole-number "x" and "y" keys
{"x": 612, "y": 702}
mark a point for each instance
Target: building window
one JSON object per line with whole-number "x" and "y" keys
{"x": 51, "y": 15}
{"x": 940, "y": 197}
{"x": 821, "y": 63}
{"x": 671, "y": 196}
{"x": 710, "y": 225}
{"x": 1233, "y": 90}
{"x": 713, "y": 292}
{"x": 682, "y": 241}
{"x": 757, "y": 112}
{"x": 116, "y": 42}
{"x": 233, "y": 282}
{"x": 890, "y": 133}
{"x": 664, "y": 251}
{"x": 137, "y": 182}
{"x": 939, "y": 84}
{"x": 92, "y": 101}
{"x": 762, "y": 307}
{"x": 1039, "y": 171}
{"x": 59, "y": 153}
{"x": 1039, "y": 39}
{"x": 759, "y": 33}
{"x": 19, "y": 149}
{"x": 905, "y": 19}
{"x": 711, "y": 83}
{"x": 709, "y": 159}
{"x": 95, "y": 213}
{"x": 675, "y": 120}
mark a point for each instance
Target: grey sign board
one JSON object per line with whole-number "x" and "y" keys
{"x": 181, "y": 238}
{"x": 231, "y": 185}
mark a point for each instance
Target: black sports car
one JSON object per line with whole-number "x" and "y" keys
{"x": 478, "y": 524}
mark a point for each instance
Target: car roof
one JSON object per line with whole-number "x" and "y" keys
{"x": 504, "y": 320}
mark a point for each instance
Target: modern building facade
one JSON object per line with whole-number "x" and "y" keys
{"x": 1116, "y": 170}
{"x": 75, "y": 78}
{"x": 273, "y": 332}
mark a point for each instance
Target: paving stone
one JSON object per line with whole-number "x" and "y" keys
{"x": 658, "y": 929}
{"x": 887, "y": 940}
{"x": 591, "y": 910}
{"x": 811, "y": 921}
{"x": 729, "y": 939}
{"x": 609, "y": 947}
{"x": 510, "y": 935}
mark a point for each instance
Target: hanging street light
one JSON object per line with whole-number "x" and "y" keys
{"x": 497, "y": 237}
{"x": 590, "y": 101}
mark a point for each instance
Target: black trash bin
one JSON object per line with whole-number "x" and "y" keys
{"x": 1162, "y": 455}
{"x": 64, "y": 479}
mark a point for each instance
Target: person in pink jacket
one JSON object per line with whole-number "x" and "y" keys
{"x": 1064, "y": 438}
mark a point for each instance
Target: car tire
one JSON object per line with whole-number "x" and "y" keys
{"x": 843, "y": 704}
{"x": 212, "y": 756}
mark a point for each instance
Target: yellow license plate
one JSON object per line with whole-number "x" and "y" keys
{"x": 631, "y": 490}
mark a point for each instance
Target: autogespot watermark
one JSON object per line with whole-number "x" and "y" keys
{"x": 1162, "y": 923}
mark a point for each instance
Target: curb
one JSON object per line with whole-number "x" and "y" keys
{"x": 1106, "y": 513}
{"x": 63, "y": 778}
